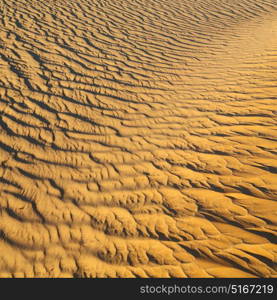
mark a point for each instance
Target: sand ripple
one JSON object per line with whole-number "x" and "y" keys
{"x": 138, "y": 138}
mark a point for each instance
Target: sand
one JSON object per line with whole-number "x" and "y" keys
{"x": 138, "y": 138}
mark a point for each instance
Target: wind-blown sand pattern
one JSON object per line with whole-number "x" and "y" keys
{"x": 138, "y": 138}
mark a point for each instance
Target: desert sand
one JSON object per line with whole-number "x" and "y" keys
{"x": 138, "y": 138}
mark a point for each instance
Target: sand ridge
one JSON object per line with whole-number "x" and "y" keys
{"x": 138, "y": 138}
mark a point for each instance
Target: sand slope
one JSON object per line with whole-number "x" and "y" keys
{"x": 138, "y": 138}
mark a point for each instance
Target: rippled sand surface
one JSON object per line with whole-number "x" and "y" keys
{"x": 138, "y": 138}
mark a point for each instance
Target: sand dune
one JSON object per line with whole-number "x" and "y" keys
{"x": 138, "y": 138}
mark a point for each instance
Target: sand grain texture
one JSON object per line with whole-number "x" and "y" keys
{"x": 138, "y": 138}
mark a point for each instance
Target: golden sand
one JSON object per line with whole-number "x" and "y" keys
{"x": 138, "y": 138}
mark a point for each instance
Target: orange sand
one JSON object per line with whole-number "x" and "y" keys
{"x": 138, "y": 138}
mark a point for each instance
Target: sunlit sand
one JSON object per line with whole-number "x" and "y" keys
{"x": 138, "y": 138}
